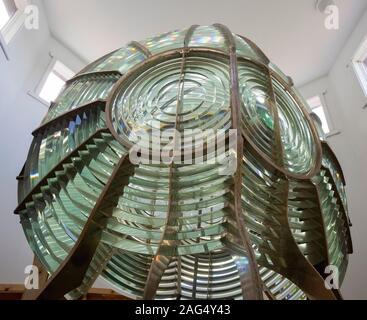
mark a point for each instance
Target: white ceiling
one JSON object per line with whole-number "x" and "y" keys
{"x": 290, "y": 32}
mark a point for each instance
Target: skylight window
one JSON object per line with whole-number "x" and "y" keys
{"x": 54, "y": 81}
{"x": 360, "y": 65}
{"x": 8, "y": 9}
{"x": 318, "y": 109}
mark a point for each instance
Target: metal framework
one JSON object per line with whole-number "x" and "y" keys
{"x": 184, "y": 231}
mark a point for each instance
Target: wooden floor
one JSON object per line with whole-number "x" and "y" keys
{"x": 15, "y": 292}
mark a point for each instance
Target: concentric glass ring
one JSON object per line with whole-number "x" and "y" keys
{"x": 148, "y": 101}
{"x": 298, "y": 150}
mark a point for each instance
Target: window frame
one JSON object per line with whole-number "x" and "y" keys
{"x": 50, "y": 68}
{"x": 360, "y": 65}
{"x": 11, "y": 28}
{"x": 8, "y": 4}
{"x": 330, "y": 123}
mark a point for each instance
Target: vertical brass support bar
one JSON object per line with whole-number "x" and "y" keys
{"x": 90, "y": 279}
{"x": 306, "y": 276}
{"x": 141, "y": 48}
{"x": 250, "y": 280}
{"x": 256, "y": 49}
{"x": 346, "y": 217}
{"x": 71, "y": 272}
{"x": 168, "y": 248}
{"x": 278, "y": 146}
{"x": 340, "y": 223}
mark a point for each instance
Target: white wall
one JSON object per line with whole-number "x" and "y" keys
{"x": 20, "y": 114}
{"x": 345, "y": 100}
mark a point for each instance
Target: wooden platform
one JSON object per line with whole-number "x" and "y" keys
{"x": 16, "y": 291}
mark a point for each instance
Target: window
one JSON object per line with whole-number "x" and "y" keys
{"x": 318, "y": 108}
{"x": 360, "y": 65}
{"x": 53, "y": 81}
{"x": 12, "y": 17}
{"x": 8, "y": 9}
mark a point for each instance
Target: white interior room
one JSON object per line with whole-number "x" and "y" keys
{"x": 327, "y": 61}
